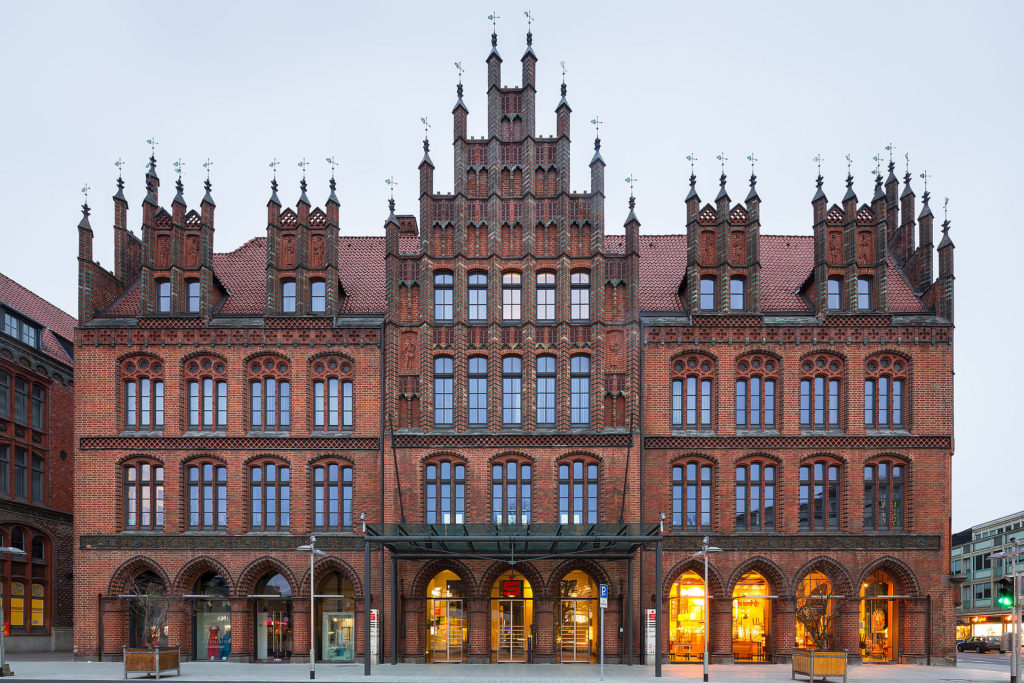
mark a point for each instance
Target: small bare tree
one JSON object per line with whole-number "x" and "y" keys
{"x": 817, "y": 613}
{"x": 151, "y": 604}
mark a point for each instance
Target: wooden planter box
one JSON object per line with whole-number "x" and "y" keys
{"x": 152, "y": 660}
{"x": 819, "y": 664}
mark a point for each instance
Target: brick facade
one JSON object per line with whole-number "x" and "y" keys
{"x": 421, "y": 319}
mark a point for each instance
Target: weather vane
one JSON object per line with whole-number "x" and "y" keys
{"x": 120, "y": 164}
{"x": 924, "y": 176}
{"x": 426, "y": 126}
{"x": 179, "y": 166}
{"x": 889, "y": 148}
{"x": 529, "y": 20}
{"x": 692, "y": 158}
{"x": 849, "y": 164}
{"x": 207, "y": 164}
{"x": 332, "y": 162}
{"x": 596, "y": 122}
{"x": 945, "y": 211}
{"x": 562, "y": 64}
{"x": 391, "y": 182}
{"x": 631, "y": 180}
{"x": 818, "y": 159}
{"x": 302, "y": 165}
{"x": 753, "y": 160}
{"x": 494, "y": 20}
{"x": 906, "y": 156}
{"x": 273, "y": 165}
{"x": 152, "y": 146}
{"x": 458, "y": 65}
{"x": 878, "y": 164}
{"x": 722, "y": 158}
{"x": 86, "y": 188}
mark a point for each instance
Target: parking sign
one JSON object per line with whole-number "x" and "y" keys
{"x": 604, "y": 595}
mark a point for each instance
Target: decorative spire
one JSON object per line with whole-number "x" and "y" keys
{"x": 493, "y": 17}
{"x": 945, "y": 225}
{"x": 120, "y": 181}
{"x": 333, "y": 163}
{"x": 906, "y": 177}
{"x": 207, "y": 185}
{"x": 692, "y": 158}
{"x": 179, "y": 166}
{"x": 391, "y": 182}
{"x": 850, "y": 194}
{"x": 84, "y": 223}
{"x": 721, "y": 179}
{"x": 925, "y": 210}
{"x": 562, "y": 64}
{"x": 753, "y": 178}
{"x": 303, "y": 199}
{"x": 632, "y": 200}
{"x": 892, "y": 164}
{"x": 529, "y": 31}
{"x": 426, "y": 140}
{"x": 273, "y": 183}
{"x": 151, "y": 167}
{"x": 819, "y": 194}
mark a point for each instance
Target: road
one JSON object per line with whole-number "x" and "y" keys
{"x": 992, "y": 661}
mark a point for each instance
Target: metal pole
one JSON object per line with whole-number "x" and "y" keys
{"x": 312, "y": 610}
{"x": 366, "y": 607}
{"x": 707, "y": 609}
{"x": 601, "y": 636}
{"x": 394, "y": 610}
{"x": 657, "y": 613}
{"x": 1016, "y": 620}
{"x": 629, "y": 612}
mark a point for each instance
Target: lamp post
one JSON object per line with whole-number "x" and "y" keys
{"x": 1012, "y": 555}
{"x": 705, "y": 549}
{"x": 314, "y": 553}
{"x": 4, "y": 671}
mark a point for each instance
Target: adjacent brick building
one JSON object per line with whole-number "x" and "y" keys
{"x": 504, "y": 365}
{"x": 36, "y": 469}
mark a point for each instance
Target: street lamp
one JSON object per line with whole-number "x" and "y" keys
{"x": 4, "y": 671}
{"x": 704, "y": 551}
{"x": 314, "y": 553}
{"x": 1012, "y": 555}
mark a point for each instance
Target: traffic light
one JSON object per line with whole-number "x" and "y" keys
{"x": 1004, "y": 596}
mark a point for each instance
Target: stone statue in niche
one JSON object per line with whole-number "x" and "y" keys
{"x": 317, "y": 252}
{"x": 288, "y": 251}
{"x": 835, "y": 248}
{"x": 864, "y": 248}
{"x": 192, "y": 251}
{"x": 614, "y": 356}
{"x": 707, "y": 247}
{"x": 408, "y": 353}
{"x": 163, "y": 251}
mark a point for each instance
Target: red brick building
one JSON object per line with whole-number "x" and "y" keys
{"x": 36, "y": 469}
{"x": 503, "y": 367}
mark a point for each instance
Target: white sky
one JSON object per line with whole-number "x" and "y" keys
{"x": 242, "y": 83}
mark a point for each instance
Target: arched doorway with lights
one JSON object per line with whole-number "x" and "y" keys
{"x": 752, "y": 619}
{"x": 686, "y": 618}
{"x": 880, "y": 619}
{"x": 511, "y": 617}
{"x": 577, "y": 635}
{"x": 446, "y": 618}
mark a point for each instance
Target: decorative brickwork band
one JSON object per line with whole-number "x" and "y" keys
{"x": 510, "y": 440}
{"x": 795, "y": 442}
{"x": 215, "y": 443}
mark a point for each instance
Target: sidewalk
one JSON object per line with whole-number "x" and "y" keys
{"x": 488, "y": 673}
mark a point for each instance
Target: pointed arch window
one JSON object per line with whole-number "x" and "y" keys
{"x": 444, "y": 379}
{"x": 884, "y": 503}
{"x": 885, "y": 386}
{"x": 445, "y": 483}
{"x": 269, "y": 395}
{"x": 819, "y": 495}
{"x": 511, "y": 492}
{"x": 692, "y": 376}
{"x": 691, "y": 496}
{"x": 478, "y": 391}
{"x": 820, "y": 392}
{"x": 333, "y": 400}
{"x": 755, "y": 496}
{"x": 207, "y": 486}
{"x": 207, "y": 388}
{"x": 332, "y": 497}
{"x": 756, "y": 381}
{"x": 270, "y": 496}
{"x": 577, "y": 492}
{"x": 143, "y": 495}
{"x": 143, "y": 394}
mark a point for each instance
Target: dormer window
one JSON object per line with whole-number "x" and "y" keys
{"x": 163, "y": 296}
{"x": 864, "y": 293}
{"x": 20, "y": 329}
{"x": 835, "y": 298}
{"x": 288, "y": 296}
{"x": 318, "y": 296}
{"x": 192, "y": 290}
{"x": 707, "y": 294}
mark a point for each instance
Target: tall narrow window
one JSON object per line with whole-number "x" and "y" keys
{"x": 207, "y": 404}
{"x": 755, "y": 392}
{"x": 38, "y": 407}
{"x": 884, "y": 388}
{"x": 707, "y": 294}
{"x": 755, "y": 497}
{"x": 864, "y": 293}
{"x": 20, "y": 473}
{"x": 288, "y": 296}
{"x": 143, "y": 394}
{"x": 545, "y": 390}
{"x": 5, "y": 394}
{"x": 478, "y": 296}
{"x": 545, "y": 296}
{"x": 511, "y": 390}
{"x": 443, "y": 397}
{"x": 333, "y": 405}
{"x": 579, "y": 399}
{"x": 577, "y": 493}
{"x": 737, "y": 300}
{"x": 691, "y": 392}
{"x": 691, "y": 497}
{"x": 579, "y": 296}
{"x": 192, "y": 289}
{"x": 883, "y": 496}
{"x": 835, "y": 294}
{"x": 144, "y": 496}
{"x": 444, "y": 307}
{"x": 820, "y": 392}
{"x": 21, "y": 400}
{"x": 478, "y": 391}
{"x": 270, "y": 500}
{"x": 207, "y": 496}
{"x": 511, "y": 489}
{"x": 511, "y": 297}
{"x": 38, "y": 479}
{"x": 5, "y": 470}
{"x": 445, "y": 492}
{"x": 163, "y": 296}
{"x": 269, "y": 395}
{"x": 819, "y": 496}
{"x": 318, "y": 296}
{"x": 332, "y": 497}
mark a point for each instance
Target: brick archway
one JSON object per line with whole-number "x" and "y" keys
{"x": 696, "y": 565}
{"x": 418, "y": 588}
{"x": 496, "y": 569}
{"x": 591, "y": 568}
{"x": 764, "y": 566}
{"x": 332, "y": 564}
{"x": 842, "y": 582}
{"x": 122, "y": 577}
{"x": 256, "y": 569}
{"x": 904, "y": 577}
{"x": 195, "y": 568}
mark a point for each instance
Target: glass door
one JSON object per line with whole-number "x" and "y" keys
{"x": 574, "y": 633}
{"x": 274, "y": 637}
{"x": 511, "y": 636}
{"x": 446, "y": 630}
{"x": 337, "y": 636}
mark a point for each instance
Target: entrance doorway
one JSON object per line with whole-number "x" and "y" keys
{"x": 446, "y": 623}
{"x": 273, "y": 619}
{"x": 147, "y": 610}
{"x": 751, "y": 619}
{"x": 879, "y": 619}
{"x": 577, "y": 633}
{"x": 815, "y": 612}
{"x": 335, "y": 605}
{"x": 511, "y": 618}
{"x": 686, "y": 619}
{"x": 211, "y": 623}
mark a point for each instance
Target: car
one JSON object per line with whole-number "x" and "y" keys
{"x": 981, "y": 644}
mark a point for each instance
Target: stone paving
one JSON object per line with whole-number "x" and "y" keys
{"x": 491, "y": 673}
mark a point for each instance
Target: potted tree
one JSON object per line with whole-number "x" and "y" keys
{"x": 815, "y": 612}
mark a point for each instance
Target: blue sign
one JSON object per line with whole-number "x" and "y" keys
{"x": 604, "y": 591}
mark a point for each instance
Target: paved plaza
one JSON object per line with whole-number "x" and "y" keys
{"x": 497, "y": 673}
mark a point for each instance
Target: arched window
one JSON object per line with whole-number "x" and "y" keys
{"x": 317, "y": 296}
{"x": 207, "y": 484}
{"x": 691, "y": 496}
{"x": 511, "y": 297}
{"x": 755, "y": 497}
{"x": 885, "y": 385}
{"x": 864, "y": 299}
{"x": 834, "y": 294}
{"x": 444, "y": 412}
{"x": 269, "y": 395}
{"x": 143, "y": 496}
{"x": 143, "y": 379}
{"x": 737, "y": 297}
{"x": 511, "y": 390}
{"x": 207, "y": 387}
{"x": 820, "y": 386}
{"x": 577, "y": 492}
{"x": 545, "y": 390}
{"x": 545, "y": 296}
{"x": 38, "y": 407}
{"x": 511, "y": 492}
{"x": 332, "y": 497}
{"x": 579, "y": 385}
{"x": 25, "y": 580}
{"x": 478, "y": 391}
{"x": 477, "y": 296}
{"x": 444, "y": 285}
{"x": 270, "y": 496}
{"x": 333, "y": 400}
{"x": 21, "y": 389}
{"x": 288, "y": 296}
{"x": 579, "y": 296}
{"x": 691, "y": 391}
{"x": 756, "y": 380}
{"x": 883, "y": 495}
{"x": 707, "y": 293}
{"x": 819, "y": 495}
{"x": 192, "y": 295}
{"x": 163, "y": 296}
{"x": 445, "y": 498}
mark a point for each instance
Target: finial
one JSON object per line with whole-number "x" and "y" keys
{"x": 458, "y": 66}
{"x": 120, "y": 165}
{"x": 333, "y": 164}
{"x": 906, "y": 176}
{"x": 722, "y": 158}
{"x": 632, "y": 181}
{"x": 596, "y": 122}
{"x": 818, "y": 159}
{"x": 302, "y": 165}
{"x": 391, "y": 182}
{"x": 85, "y": 193}
{"x": 562, "y": 64}
{"x": 849, "y": 171}
{"x": 529, "y": 27}
{"x": 179, "y": 166}
{"x": 494, "y": 28}
{"x": 152, "y": 146}
{"x": 753, "y": 160}
{"x": 878, "y": 164}
{"x": 945, "y": 214}
{"x": 889, "y": 148}
{"x": 924, "y": 176}
{"x": 426, "y": 127}
{"x": 207, "y": 164}
{"x": 273, "y": 166}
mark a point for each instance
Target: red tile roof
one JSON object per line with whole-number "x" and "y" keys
{"x": 55, "y": 322}
{"x": 786, "y": 262}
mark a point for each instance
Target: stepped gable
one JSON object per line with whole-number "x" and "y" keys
{"x": 55, "y": 322}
